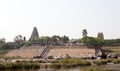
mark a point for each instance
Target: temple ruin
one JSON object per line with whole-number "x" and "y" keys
{"x": 101, "y": 36}
{"x": 34, "y": 34}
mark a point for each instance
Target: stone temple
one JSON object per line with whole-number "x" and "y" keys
{"x": 34, "y": 34}
{"x": 101, "y": 36}
{"x": 55, "y": 51}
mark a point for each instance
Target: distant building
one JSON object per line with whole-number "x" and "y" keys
{"x": 34, "y": 34}
{"x": 74, "y": 42}
{"x": 100, "y": 36}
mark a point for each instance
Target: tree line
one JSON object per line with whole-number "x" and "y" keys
{"x": 96, "y": 41}
{"x": 20, "y": 41}
{"x": 56, "y": 40}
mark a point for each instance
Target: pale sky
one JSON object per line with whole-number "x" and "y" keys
{"x": 59, "y": 17}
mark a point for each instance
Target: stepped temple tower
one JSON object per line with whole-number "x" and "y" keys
{"x": 101, "y": 36}
{"x": 34, "y": 34}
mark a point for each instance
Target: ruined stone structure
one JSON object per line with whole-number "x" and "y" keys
{"x": 34, "y": 34}
{"x": 75, "y": 51}
{"x": 101, "y": 36}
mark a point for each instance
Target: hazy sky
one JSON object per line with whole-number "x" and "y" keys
{"x": 59, "y": 17}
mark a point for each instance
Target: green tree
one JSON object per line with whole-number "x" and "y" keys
{"x": 65, "y": 39}
{"x": 84, "y": 32}
{"x": 55, "y": 40}
{"x": 91, "y": 41}
{"x": 44, "y": 40}
{"x": 18, "y": 38}
{"x": 2, "y": 40}
{"x": 112, "y": 42}
{"x": 19, "y": 41}
{"x": 95, "y": 41}
{"x": 9, "y": 46}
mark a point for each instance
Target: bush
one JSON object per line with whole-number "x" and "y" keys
{"x": 26, "y": 65}
{"x": 109, "y": 60}
{"x": 72, "y": 62}
{"x": 100, "y": 62}
{"x": 116, "y": 61}
{"x": 97, "y": 69}
{"x": 55, "y": 65}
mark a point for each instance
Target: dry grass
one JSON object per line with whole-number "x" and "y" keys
{"x": 73, "y": 51}
{"x": 111, "y": 49}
